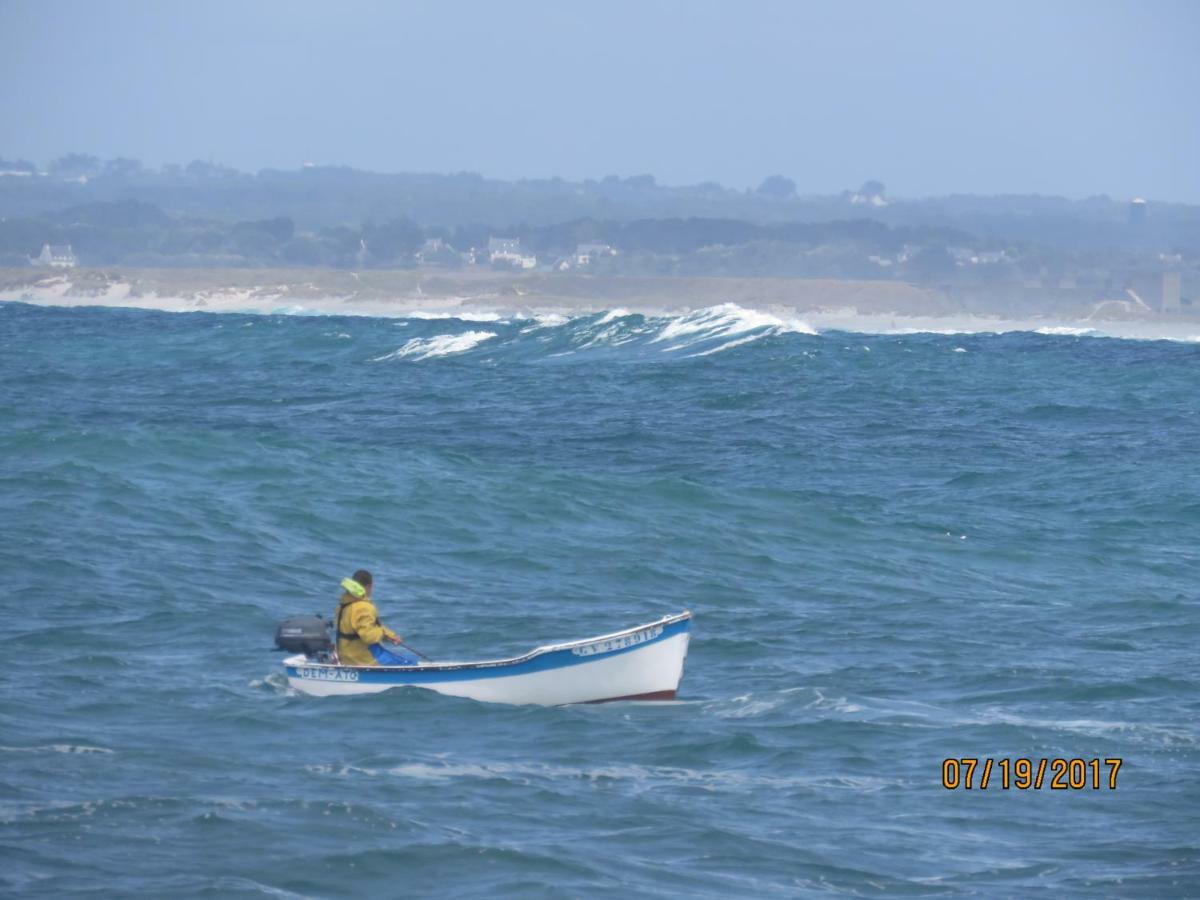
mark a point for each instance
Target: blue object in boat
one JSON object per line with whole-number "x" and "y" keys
{"x": 397, "y": 657}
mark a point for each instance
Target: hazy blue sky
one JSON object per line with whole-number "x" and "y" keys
{"x": 1073, "y": 98}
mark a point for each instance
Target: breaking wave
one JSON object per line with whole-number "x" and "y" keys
{"x": 717, "y": 329}
{"x": 442, "y": 345}
{"x": 698, "y": 333}
{"x": 737, "y": 324}
{"x": 895, "y": 557}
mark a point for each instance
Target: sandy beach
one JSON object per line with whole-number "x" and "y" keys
{"x": 866, "y": 306}
{"x": 394, "y": 292}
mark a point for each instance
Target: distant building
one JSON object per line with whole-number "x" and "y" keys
{"x": 1137, "y": 211}
{"x": 508, "y": 250}
{"x": 58, "y": 256}
{"x": 965, "y": 256}
{"x": 586, "y": 254}
{"x": 503, "y": 245}
{"x": 868, "y": 200}
{"x": 870, "y": 194}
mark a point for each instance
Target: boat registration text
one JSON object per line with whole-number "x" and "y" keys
{"x": 618, "y": 643}
{"x": 323, "y": 674}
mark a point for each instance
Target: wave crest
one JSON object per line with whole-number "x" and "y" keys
{"x": 441, "y": 345}
{"x": 548, "y": 335}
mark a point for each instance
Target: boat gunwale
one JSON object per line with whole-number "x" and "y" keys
{"x": 301, "y": 660}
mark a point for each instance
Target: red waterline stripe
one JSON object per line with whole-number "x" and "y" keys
{"x": 653, "y": 695}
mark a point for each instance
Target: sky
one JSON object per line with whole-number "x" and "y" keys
{"x": 1051, "y": 97}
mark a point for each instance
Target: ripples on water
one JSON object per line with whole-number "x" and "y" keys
{"x": 898, "y": 548}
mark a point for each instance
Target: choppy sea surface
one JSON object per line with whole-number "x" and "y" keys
{"x": 898, "y": 548}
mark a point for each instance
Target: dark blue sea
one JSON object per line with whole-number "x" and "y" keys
{"x": 898, "y": 548}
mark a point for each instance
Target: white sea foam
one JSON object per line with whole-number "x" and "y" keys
{"x": 613, "y": 315}
{"x": 442, "y": 345}
{"x": 542, "y": 321}
{"x": 749, "y": 705}
{"x": 526, "y": 773}
{"x": 1128, "y": 321}
{"x": 837, "y": 704}
{"x": 728, "y": 323}
{"x": 724, "y": 320}
{"x": 1144, "y": 328}
{"x": 615, "y": 335}
{"x": 56, "y": 748}
{"x": 1065, "y": 331}
{"x": 746, "y": 706}
{"x": 1144, "y": 732}
{"x": 464, "y": 315}
{"x": 726, "y": 346}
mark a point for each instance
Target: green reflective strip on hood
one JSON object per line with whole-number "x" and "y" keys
{"x": 353, "y": 588}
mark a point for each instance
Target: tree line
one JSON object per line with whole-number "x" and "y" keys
{"x": 328, "y": 197}
{"x": 134, "y": 233}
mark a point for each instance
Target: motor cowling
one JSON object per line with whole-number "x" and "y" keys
{"x": 303, "y": 634}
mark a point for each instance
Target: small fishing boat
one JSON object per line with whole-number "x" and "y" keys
{"x": 642, "y": 663}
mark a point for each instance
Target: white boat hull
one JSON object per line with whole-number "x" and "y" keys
{"x": 643, "y": 663}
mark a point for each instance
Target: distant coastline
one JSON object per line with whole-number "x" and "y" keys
{"x": 393, "y": 292}
{"x": 826, "y": 304}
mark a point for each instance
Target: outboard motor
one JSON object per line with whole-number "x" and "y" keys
{"x": 304, "y": 634}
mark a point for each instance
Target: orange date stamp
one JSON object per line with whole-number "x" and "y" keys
{"x": 1023, "y": 774}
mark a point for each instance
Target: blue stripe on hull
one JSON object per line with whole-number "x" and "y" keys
{"x": 541, "y": 662}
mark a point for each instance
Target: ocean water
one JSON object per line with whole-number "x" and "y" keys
{"x": 898, "y": 548}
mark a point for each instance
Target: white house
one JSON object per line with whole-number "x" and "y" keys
{"x": 503, "y": 245}
{"x": 990, "y": 257}
{"x": 965, "y": 256}
{"x": 509, "y": 250}
{"x": 59, "y": 256}
{"x": 586, "y": 253}
{"x": 868, "y": 199}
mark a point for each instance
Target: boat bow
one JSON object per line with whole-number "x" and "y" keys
{"x": 640, "y": 663}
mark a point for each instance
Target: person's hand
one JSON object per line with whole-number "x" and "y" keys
{"x": 395, "y": 639}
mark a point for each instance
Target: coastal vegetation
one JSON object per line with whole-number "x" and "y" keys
{"x": 120, "y": 212}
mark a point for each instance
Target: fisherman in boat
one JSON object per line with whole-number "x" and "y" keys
{"x": 360, "y": 634}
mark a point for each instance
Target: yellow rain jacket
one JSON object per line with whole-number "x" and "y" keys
{"x": 358, "y": 626}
